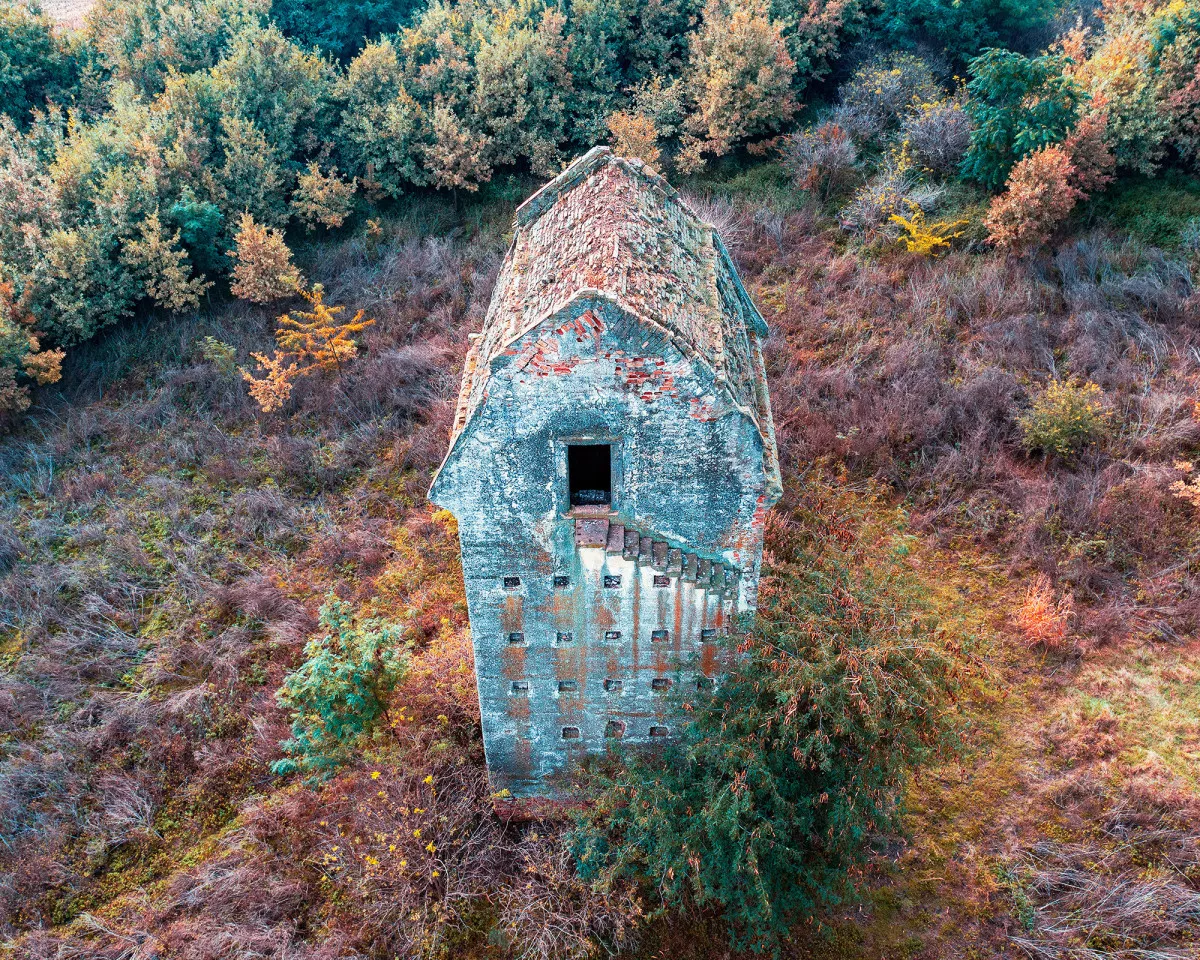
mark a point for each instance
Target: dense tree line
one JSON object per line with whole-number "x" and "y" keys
{"x": 132, "y": 149}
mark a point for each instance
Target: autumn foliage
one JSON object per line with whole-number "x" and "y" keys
{"x": 1038, "y": 196}
{"x": 263, "y": 270}
{"x": 308, "y": 341}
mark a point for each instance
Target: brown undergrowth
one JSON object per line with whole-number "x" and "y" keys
{"x": 164, "y": 547}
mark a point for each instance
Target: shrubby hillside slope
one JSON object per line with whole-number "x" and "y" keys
{"x": 967, "y": 721}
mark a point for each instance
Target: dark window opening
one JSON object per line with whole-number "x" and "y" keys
{"x": 708, "y": 634}
{"x": 516, "y": 638}
{"x": 615, "y": 728}
{"x": 611, "y": 636}
{"x": 611, "y": 582}
{"x": 660, "y": 684}
{"x": 589, "y": 474}
{"x": 661, "y": 581}
{"x": 560, "y": 582}
{"x": 704, "y": 683}
{"x": 658, "y": 731}
{"x": 659, "y": 636}
{"x": 520, "y": 688}
{"x": 613, "y": 686}
{"x": 567, "y": 637}
{"x": 570, "y": 733}
{"x": 511, "y": 583}
{"x": 567, "y": 686}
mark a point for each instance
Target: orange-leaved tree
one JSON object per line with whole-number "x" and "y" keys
{"x": 308, "y": 341}
{"x": 1039, "y": 195}
{"x": 634, "y": 135}
{"x": 262, "y": 270}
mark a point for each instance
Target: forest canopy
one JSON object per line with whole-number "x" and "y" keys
{"x": 131, "y": 148}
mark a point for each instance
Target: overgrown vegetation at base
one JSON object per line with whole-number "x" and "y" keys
{"x": 783, "y": 777}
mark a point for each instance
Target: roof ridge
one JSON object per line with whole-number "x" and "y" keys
{"x": 579, "y": 169}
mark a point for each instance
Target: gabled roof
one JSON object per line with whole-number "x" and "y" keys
{"x": 611, "y": 228}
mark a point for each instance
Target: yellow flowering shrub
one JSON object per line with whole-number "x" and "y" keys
{"x": 924, "y": 238}
{"x": 1066, "y": 417}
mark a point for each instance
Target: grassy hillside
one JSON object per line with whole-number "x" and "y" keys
{"x": 165, "y": 546}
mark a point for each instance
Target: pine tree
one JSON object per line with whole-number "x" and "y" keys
{"x": 309, "y": 341}
{"x": 263, "y": 270}
{"x": 162, "y": 261}
{"x": 339, "y": 694}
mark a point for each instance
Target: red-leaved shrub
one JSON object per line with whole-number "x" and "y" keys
{"x": 1037, "y": 198}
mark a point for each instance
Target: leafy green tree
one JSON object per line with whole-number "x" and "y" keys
{"x": 658, "y": 38}
{"x": 143, "y": 41}
{"x": 815, "y": 33}
{"x": 600, "y": 35}
{"x": 740, "y": 78}
{"x": 383, "y": 128}
{"x": 251, "y": 179}
{"x": 341, "y": 27}
{"x": 456, "y": 158}
{"x": 338, "y": 695}
{"x": 35, "y": 65}
{"x": 522, "y": 89}
{"x": 286, "y": 92}
{"x": 1137, "y": 72}
{"x": 1018, "y": 105}
{"x": 81, "y": 285}
{"x": 783, "y": 775}
{"x": 961, "y": 29}
{"x": 157, "y": 256}
{"x": 322, "y": 199}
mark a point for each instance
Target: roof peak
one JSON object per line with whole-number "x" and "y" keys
{"x": 578, "y": 171}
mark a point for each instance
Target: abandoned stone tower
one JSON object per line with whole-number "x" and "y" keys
{"x": 611, "y": 465}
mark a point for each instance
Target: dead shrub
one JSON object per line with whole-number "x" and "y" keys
{"x": 1044, "y": 618}
{"x": 822, "y": 159}
{"x": 938, "y": 133}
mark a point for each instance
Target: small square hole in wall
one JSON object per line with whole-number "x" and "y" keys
{"x": 516, "y": 638}
{"x": 511, "y": 583}
{"x": 568, "y": 686}
{"x": 612, "y": 581}
{"x": 704, "y": 683}
{"x": 661, "y": 581}
{"x": 561, "y": 582}
{"x": 520, "y": 688}
{"x": 566, "y": 637}
{"x": 659, "y": 731}
{"x": 660, "y": 636}
{"x": 570, "y": 733}
{"x": 707, "y": 635}
{"x": 660, "y": 684}
{"x": 614, "y": 729}
{"x": 612, "y": 636}
{"x": 613, "y": 686}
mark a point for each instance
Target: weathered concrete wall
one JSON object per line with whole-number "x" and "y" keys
{"x": 688, "y": 473}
